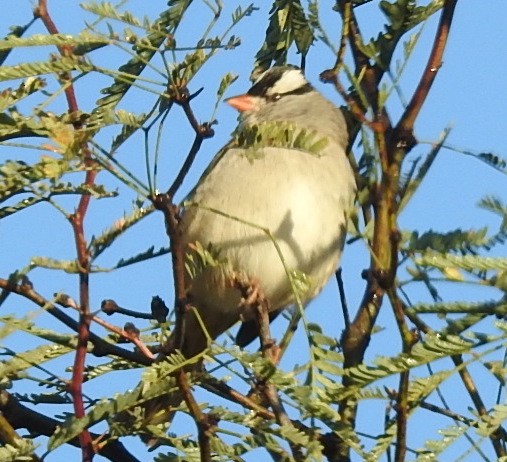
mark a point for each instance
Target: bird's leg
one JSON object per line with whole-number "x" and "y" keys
{"x": 256, "y": 305}
{"x": 251, "y": 294}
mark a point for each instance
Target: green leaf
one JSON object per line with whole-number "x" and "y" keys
{"x": 432, "y": 448}
{"x": 435, "y": 346}
{"x": 157, "y": 381}
{"x": 163, "y": 27}
{"x": 278, "y": 134}
{"x": 451, "y": 241}
{"x": 100, "y": 243}
{"x": 491, "y": 422}
{"x": 9, "y": 98}
{"x": 466, "y": 262}
{"x": 402, "y": 15}
{"x": 142, "y": 256}
{"x": 37, "y": 68}
{"x": 69, "y": 266}
{"x": 21, "y": 361}
{"x": 84, "y": 37}
{"x": 29, "y": 327}
{"x": 108, "y": 10}
{"x": 288, "y": 24}
{"x": 23, "y": 451}
{"x": 227, "y": 80}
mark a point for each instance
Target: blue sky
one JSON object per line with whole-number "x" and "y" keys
{"x": 468, "y": 95}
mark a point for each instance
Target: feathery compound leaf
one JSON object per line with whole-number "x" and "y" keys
{"x": 109, "y": 408}
{"x": 105, "y": 117}
{"x": 108, "y": 10}
{"x": 495, "y": 205}
{"x": 55, "y": 66}
{"x": 16, "y": 31}
{"x": 95, "y": 371}
{"x": 490, "y": 308}
{"x": 100, "y": 243}
{"x": 492, "y": 421}
{"x": 184, "y": 71}
{"x": 83, "y": 38}
{"x": 494, "y": 161}
{"x": 278, "y": 134}
{"x": 20, "y": 361}
{"x": 9, "y": 98}
{"x": 316, "y": 25}
{"x": 287, "y": 24}
{"x": 23, "y": 451}
{"x": 69, "y": 266}
{"x": 435, "y": 346}
{"x": 239, "y": 13}
{"x": 164, "y": 26}
{"x": 21, "y": 205}
{"x": 466, "y": 262}
{"x": 435, "y": 447}
{"x": 420, "y": 14}
{"x": 227, "y": 80}
{"x": 457, "y": 240}
{"x": 384, "y": 441}
{"x": 17, "y": 178}
{"x": 45, "y": 334}
{"x": 402, "y": 15}
{"x": 142, "y": 256}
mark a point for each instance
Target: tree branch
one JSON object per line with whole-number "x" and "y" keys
{"x": 406, "y": 123}
{"x": 101, "y": 347}
{"x": 20, "y": 416}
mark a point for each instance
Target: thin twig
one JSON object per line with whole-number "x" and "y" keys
{"x": 402, "y": 399}
{"x": 434, "y": 63}
{"x": 202, "y": 132}
{"x": 101, "y": 347}
{"x": 270, "y": 351}
{"x": 163, "y": 202}
{"x": 41, "y": 11}
{"x": 204, "y": 424}
{"x": 498, "y": 435}
{"x": 127, "y": 336}
{"x": 473, "y": 392}
{"x": 83, "y": 257}
{"x": 343, "y": 298}
{"x": 20, "y": 416}
{"x": 194, "y": 149}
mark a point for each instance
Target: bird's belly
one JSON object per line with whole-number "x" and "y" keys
{"x": 278, "y": 221}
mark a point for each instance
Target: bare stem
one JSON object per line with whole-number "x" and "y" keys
{"x": 434, "y": 63}
{"x": 76, "y": 221}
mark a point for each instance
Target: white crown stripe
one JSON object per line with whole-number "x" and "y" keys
{"x": 290, "y": 80}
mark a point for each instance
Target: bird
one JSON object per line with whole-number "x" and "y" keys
{"x": 274, "y": 202}
{"x": 269, "y": 205}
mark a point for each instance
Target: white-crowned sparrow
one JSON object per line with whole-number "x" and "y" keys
{"x": 285, "y": 171}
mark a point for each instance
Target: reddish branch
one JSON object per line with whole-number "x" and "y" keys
{"x": 41, "y": 11}
{"x": 100, "y": 346}
{"x": 77, "y": 223}
{"x": 408, "y": 118}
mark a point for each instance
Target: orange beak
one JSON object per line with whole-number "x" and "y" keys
{"x": 242, "y": 102}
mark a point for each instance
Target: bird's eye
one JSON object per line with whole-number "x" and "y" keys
{"x": 275, "y": 97}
